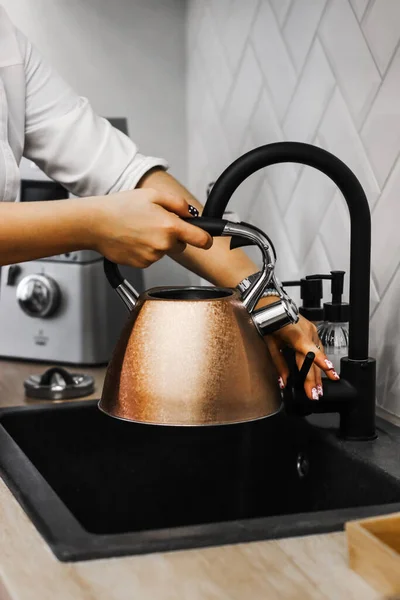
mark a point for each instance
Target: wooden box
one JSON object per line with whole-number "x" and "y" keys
{"x": 374, "y": 551}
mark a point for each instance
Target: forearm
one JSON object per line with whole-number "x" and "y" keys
{"x": 33, "y": 230}
{"x": 219, "y": 265}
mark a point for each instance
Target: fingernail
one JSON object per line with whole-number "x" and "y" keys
{"x": 193, "y": 211}
{"x": 329, "y": 364}
{"x": 320, "y": 390}
{"x": 314, "y": 394}
{"x": 336, "y": 376}
{"x": 281, "y": 383}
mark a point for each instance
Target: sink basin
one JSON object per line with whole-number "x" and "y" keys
{"x": 98, "y": 487}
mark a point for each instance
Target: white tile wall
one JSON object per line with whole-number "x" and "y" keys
{"x": 322, "y": 71}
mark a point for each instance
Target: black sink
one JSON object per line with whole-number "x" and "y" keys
{"x": 97, "y": 487}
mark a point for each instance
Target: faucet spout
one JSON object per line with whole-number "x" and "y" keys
{"x": 360, "y": 218}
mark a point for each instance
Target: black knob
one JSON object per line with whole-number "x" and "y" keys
{"x": 38, "y": 295}
{"x": 12, "y": 274}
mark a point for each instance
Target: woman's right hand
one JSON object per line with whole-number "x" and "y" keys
{"x": 140, "y": 226}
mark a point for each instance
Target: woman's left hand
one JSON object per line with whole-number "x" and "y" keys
{"x": 303, "y": 338}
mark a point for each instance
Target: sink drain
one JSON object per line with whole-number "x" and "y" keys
{"x": 303, "y": 465}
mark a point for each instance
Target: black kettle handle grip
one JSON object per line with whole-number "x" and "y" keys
{"x": 213, "y": 226}
{"x": 112, "y": 272}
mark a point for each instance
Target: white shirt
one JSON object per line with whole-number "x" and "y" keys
{"x": 43, "y": 119}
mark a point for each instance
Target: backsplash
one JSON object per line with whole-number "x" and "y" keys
{"x": 320, "y": 71}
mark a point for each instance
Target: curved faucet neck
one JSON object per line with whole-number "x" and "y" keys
{"x": 360, "y": 218}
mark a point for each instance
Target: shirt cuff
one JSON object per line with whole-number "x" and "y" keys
{"x": 141, "y": 165}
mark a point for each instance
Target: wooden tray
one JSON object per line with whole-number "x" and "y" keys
{"x": 374, "y": 551}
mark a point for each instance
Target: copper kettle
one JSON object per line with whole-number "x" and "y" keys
{"x": 195, "y": 355}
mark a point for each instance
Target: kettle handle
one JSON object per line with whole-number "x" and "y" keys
{"x": 125, "y": 290}
{"x": 241, "y": 233}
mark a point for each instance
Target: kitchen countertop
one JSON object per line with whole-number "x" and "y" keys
{"x": 296, "y": 568}
{"x": 13, "y": 374}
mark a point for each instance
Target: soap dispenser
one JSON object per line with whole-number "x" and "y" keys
{"x": 311, "y": 293}
{"x": 334, "y": 331}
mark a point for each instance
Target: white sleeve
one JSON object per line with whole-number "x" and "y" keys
{"x": 69, "y": 142}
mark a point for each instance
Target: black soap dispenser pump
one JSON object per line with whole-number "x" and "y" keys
{"x": 311, "y": 293}
{"x": 334, "y": 331}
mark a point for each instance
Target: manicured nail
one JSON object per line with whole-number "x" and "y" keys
{"x": 281, "y": 383}
{"x": 320, "y": 390}
{"x": 329, "y": 364}
{"x": 314, "y": 394}
{"x": 193, "y": 211}
{"x": 336, "y": 376}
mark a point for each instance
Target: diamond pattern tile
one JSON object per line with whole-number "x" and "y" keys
{"x": 381, "y": 27}
{"x": 316, "y": 259}
{"x": 305, "y": 212}
{"x": 350, "y": 57}
{"x": 359, "y": 7}
{"x": 265, "y": 129}
{"x": 242, "y": 100}
{"x": 301, "y": 27}
{"x": 215, "y": 62}
{"x": 281, "y": 9}
{"x": 236, "y": 30}
{"x": 274, "y": 58}
{"x": 219, "y": 152}
{"x": 264, "y": 210}
{"x": 321, "y": 71}
{"x": 220, "y": 11}
{"x": 385, "y": 231}
{"x": 385, "y": 332}
{"x": 339, "y": 135}
{"x": 317, "y": 82}
{"x": 381, "y": 131}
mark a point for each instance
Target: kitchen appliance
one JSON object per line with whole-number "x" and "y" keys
{"x": 195, "y": 356}
{"x": 59, "y": 308}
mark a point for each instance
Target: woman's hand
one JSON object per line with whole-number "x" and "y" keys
{"x": 303, "y": 338}
{"x": 139, "y": 227}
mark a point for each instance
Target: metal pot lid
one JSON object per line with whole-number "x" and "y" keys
{"x": 58, "y": 384}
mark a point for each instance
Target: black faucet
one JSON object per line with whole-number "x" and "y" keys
{"x": 353, "y": 397}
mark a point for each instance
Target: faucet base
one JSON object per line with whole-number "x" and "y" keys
{"x": 357, "y": 420}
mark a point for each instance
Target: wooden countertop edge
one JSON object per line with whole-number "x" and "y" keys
{"x": 295, "y": 568}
